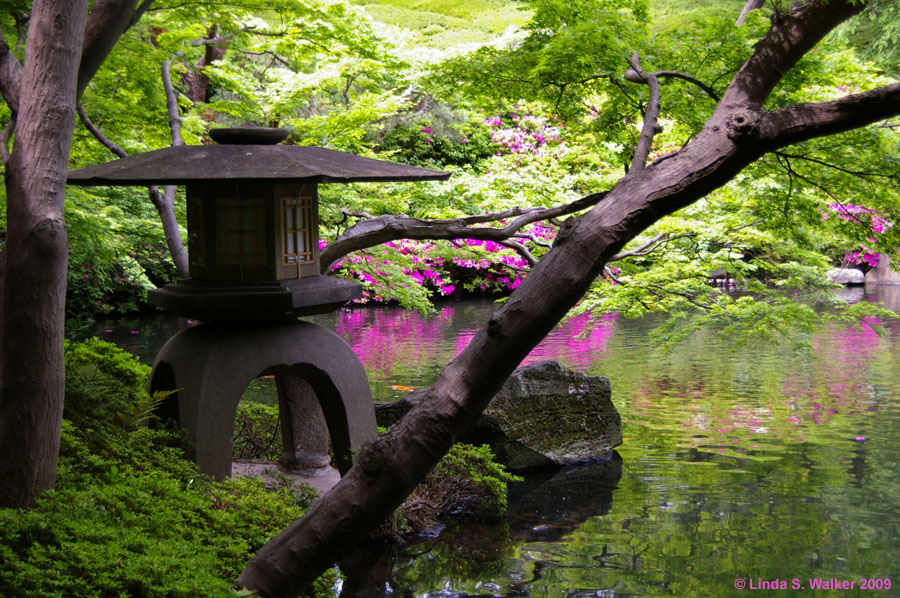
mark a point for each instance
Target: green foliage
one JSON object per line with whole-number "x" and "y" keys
{"x": 668, "y": 16}
{"x": 572, "y": 55}
{"x": 257, "y": 433}
{"x": 876, "y": 34}
{"x": 103, "y": 384}
{"x": 129, "y": 515}
{"x": 149, "y": 535}
{"x": 436, "y": 138}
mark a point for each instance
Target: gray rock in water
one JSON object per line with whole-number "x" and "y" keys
{"x": 847, "y": 276}
{"x": 545, "y": 414}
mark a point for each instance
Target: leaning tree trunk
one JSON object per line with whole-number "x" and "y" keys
{"x": 34, "y": 289}
{"x": 388, "y": 467}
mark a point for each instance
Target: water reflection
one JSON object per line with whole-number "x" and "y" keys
{"x": 549, "y": 504}
{"x": 738, "y": 461}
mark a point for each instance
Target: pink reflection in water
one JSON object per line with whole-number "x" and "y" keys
{"x": 388, "y": 340}
{"x": 577, "y": 343}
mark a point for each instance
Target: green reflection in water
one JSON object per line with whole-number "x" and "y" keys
{"x": 750, "y": 462}
{"x": 753, "y": 462}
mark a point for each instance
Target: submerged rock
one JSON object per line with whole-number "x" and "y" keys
{"x": 545, "y": 414}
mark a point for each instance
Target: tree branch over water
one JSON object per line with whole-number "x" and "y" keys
{"x": 389, "y": 227}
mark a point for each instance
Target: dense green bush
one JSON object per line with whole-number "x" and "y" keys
{"x": 104, "y": 384}
{"x": 129, "y": 515}
{"x": 138, "y": 535}
{"x": 436, "y": 137}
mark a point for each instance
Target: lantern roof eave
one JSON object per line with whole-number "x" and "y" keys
{"x": 182, "y": 165}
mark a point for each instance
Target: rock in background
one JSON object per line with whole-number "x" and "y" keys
{"x": 545, "y": 414}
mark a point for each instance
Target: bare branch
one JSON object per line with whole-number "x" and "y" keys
{"x": 858, "y": 173}
{"x": 651, "y": 113}
{"x": 172, "y": 102}
{"x": 355, "y": 214}
{"x": 644, "y": 249}
{"x": 801, "y": 122}
{"x": 212, "y": 41}
{"x": 164, "y": 203}
{"x": 10, "y": 75}
{"x": 195, "y": 80}
{"x": 106, "y": 23}
{"x": 22, "y": 20}
{"x": 374, "y": 231}
{"x": 98, "y": 134}
{"x": 750, "y": 5}
{"x": 790, "y": 38}
{"x": 690, "y": 79}
{"x": 144, "y": 7}
{"x": 274, "y": 56}
{"x": 521, "y": 250}
{"x": 534, "y": 239}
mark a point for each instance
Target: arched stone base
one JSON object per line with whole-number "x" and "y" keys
{"x": 322, "y": 389}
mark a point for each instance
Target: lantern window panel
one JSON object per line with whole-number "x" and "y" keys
{"x": 297, "y": 241}
{"x": 240, "y": 231}
{"x": 196, "y": 240}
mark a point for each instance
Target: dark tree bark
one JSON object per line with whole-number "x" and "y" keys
{"x": 739, "y": 132}
{"x": 196, "y": 83}
{"x": 42, "y": 96}
{"x": 108, "y": 20}
{"x": 382, "y": 229}
{"x": 31, "y": 398}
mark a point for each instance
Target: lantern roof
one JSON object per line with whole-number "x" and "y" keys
{"x": 246, "y": 155}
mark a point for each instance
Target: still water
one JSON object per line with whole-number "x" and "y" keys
{"x": 741, "y": 468}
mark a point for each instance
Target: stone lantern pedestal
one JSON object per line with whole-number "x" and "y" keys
{"x": 322, "y": 390}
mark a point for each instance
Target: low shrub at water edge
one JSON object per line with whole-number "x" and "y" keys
{"x": 467, "y": 484}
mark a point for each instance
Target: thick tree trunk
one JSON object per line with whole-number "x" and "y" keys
{"x": 388, "y": 467}
{"x": 31, "y": 399}
{"x": 196, "y": 83}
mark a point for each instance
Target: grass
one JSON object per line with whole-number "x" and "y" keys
{"x": 671, "y": 14}
{"x": 434, "y": 29}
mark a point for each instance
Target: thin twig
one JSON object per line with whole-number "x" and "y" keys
{"x": 98, "y": 134}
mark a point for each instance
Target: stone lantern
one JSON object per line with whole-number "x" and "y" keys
{"x": 253, "y": 251}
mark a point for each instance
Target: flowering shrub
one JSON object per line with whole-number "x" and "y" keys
{"x": 471, "y": 266}
{"x": 524, "y": 133}
{"x": 861, "y": 215}
{"x": 119, "y": 286}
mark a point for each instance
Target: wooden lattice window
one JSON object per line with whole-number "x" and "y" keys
{"x": 296, "y": 222}
{"x": 240, "y": 231}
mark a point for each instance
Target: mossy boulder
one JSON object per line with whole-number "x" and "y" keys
{"x": 544, "y": 415}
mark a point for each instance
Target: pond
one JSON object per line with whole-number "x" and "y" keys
{"x": 741, "y": 468}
